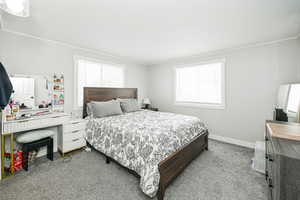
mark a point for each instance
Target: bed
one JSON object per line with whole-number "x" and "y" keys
{"x": 156, "y": 146}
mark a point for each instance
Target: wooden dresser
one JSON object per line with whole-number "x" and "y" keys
{"x": 283, "y": 160}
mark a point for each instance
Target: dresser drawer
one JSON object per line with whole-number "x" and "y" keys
{"x": 74, "y": 144}
{"x": 68, "y": 137}
{"x": 75, "y": 126}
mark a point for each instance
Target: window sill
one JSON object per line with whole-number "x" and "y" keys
{"x": 201, "y": 105}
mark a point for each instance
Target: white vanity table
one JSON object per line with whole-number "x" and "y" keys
{"x": 42, "y": 98}
{"x": 69, "y": 132}
{"x": 35, "y": 122}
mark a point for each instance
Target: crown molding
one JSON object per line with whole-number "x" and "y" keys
{"x": 221, "y": 52}
{"x": 127, "y": 60}
{"x": 107, "y": 55}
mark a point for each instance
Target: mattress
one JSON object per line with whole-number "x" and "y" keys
{"x": 141, "y": 140}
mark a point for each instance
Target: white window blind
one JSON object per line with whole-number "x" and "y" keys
{"x": 201, "y": 84}
{"x": 95, "y": 74}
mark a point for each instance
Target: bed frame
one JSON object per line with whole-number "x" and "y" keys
{"x": 173, "y": 165}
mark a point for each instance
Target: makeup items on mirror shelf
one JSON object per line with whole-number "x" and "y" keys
{"x": 7, "y": 112}
{"x": 15, "y": 109}
{"x": 12, "y": 111}
{"x": 45, "y": 104}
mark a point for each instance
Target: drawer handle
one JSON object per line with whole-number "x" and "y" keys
{"x": 75, "y": 131}
{"x": 266, "y": 138}
{"x": 74, "y": 140}
{"x": 23, "y": 121}
{"x": 271, "y": 159}
{"x": 75, "y": 122}
{"x": 270, "y": 183}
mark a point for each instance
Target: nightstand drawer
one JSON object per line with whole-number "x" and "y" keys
{"x": 68, "y": 137}
{"x": 75, "y": 144}
{"x": 75, "y": 126}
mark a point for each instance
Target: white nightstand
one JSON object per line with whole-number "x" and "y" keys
{"x": 72, "y": 136}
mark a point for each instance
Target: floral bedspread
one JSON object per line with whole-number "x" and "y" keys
{"x": 141, "y": 140}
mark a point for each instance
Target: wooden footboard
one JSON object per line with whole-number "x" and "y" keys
{"x": 172, "y": 166}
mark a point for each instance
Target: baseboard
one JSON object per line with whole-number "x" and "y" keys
{"x": 231, "y": 141}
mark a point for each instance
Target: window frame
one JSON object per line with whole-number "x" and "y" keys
{"x": 206, "y": 105}
{"x": 76, "y": 58}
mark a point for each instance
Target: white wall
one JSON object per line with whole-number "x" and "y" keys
{"x": 25, "y": 55}
{"x": 252, "y": 78}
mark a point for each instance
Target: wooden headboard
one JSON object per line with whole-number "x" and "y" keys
{"x": 106, "y": 94}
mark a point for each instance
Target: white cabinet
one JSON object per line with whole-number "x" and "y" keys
{"x": 72, "y": 136}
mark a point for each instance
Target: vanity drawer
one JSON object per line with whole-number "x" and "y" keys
{"x": 37, "y": 122}
{"x": 74, "y": 126}
{"x": 74, "y": 144}
{"x": 78, "y": 134}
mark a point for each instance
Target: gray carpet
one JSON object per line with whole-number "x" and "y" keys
{"x": 222, "y": 173}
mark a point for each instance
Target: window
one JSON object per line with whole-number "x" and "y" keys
{"x": 91, "y": 73}
{"x": 201, "y": 85}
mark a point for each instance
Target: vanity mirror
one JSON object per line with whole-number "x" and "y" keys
{"x": 35, "y": 94}
{"x": 32, "y": 91}
{"x": 287, "y": 106}
{"x": 23, "y": 91}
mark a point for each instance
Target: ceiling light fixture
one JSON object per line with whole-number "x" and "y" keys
{"x": 15, "y": 7}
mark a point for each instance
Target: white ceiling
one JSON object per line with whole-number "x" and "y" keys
{"x": 153, "y": 31}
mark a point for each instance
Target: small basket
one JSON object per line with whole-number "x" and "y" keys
{"x": 18, "y": 160}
